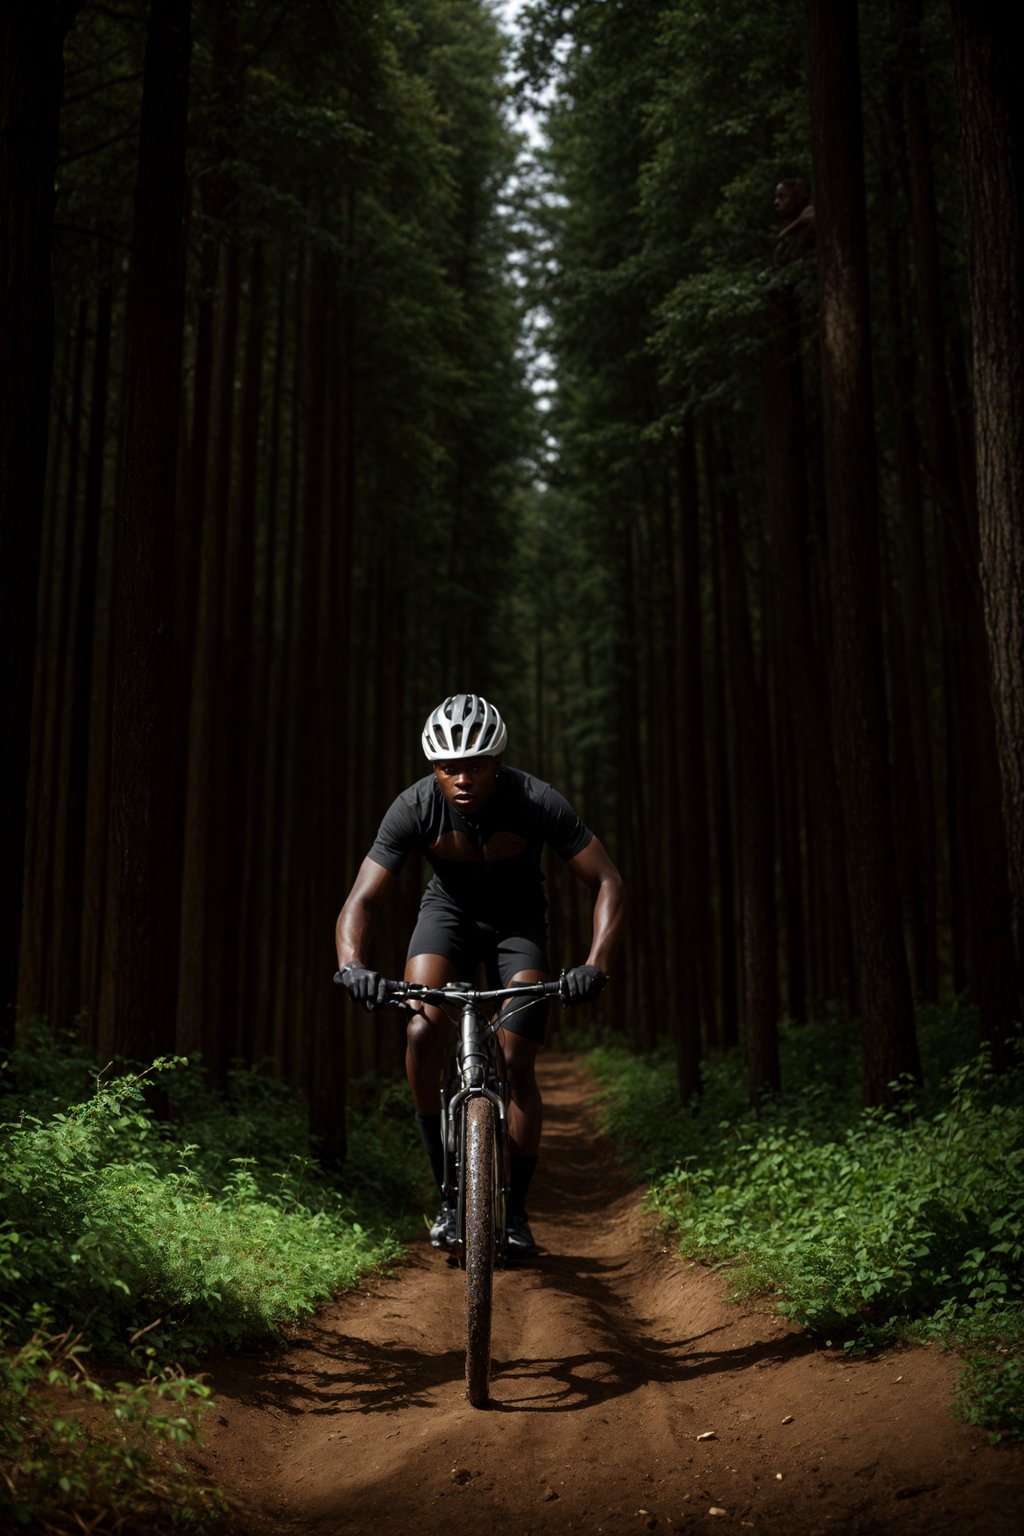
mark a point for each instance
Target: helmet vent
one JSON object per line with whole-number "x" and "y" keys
{"x": 465, "y": 725}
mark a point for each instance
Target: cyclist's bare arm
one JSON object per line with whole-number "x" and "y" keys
{"x": 593, "y": 865}
{"x": 352, "y": 931}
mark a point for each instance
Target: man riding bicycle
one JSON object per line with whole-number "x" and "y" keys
{"x": 483, "y": 828}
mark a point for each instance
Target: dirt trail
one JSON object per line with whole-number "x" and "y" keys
{"x": 611, "y": 1359}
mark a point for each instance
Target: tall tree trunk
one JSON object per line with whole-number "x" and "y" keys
{"x": 70, "y": 979}
{"x": 36, "y": 907}
{"x": 690, "y": 855}
{"x": 803, "y": 681}
{"x": 749, "y": 713}
{"x": 992, "y": 162}
{"x": 145, "y": 777}
{"x": 327, "y": 1077}
{"x": 267, "y": 699}
{"x": 246, "y": 649}
{"x": 217, "y": 940}
{"x": 984, "y": 885}
{"x": 92, "y": 687}
{"x": 907, "y": 625}
{"x": 32, "y": 36}
{"x": 281, "y": 805}
{"x": 62, "y": 958}
{"x": 647, "y": 1021}
{"x": 203, "y": 521}
{"x": 887, "y": 1017}
{"x": 722, "y": 799}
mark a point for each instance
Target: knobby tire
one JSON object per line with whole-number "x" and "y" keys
{"x": 480, "y": 1183}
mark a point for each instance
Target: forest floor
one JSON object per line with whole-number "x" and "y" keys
{"x": 629, "y": 1394}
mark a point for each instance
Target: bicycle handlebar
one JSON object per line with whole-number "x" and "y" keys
{"x": 455, "y": 992}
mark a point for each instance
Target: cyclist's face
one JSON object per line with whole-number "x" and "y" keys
{"x": 469, "y": 783}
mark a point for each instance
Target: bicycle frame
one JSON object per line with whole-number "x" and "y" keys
{"x": 477, "y": 1074}
{"x": 474, "y": 1128}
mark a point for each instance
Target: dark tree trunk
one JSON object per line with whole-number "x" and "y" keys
{"x": 31, "y": 82}
{"x": 721, "y": 796}
{"x": 690, "y": 855}
{"x": 282, "y": 813}
{"x": 245, "y": 648}
{"x": 887, "y": 1017}
{"x": 52, "y": 614}
{"x": 327, "y": 1078}
{"x": 992, "y": 162}
{"x": 789, "y": 880}
{"x": 267, "y": 701}
{"x": 203, "y": 527}
{"x": 754, "y": 798}
{"x": 803, "y": 683}
{"x": 907, "y": 624}
{"x": 645, "y": 1002}
{"x": 91, "y": 731}
{"x": 69, "y": 978}
{"x": 145, "y": 778}
{"x": 976, "y": 817}
{"x": 64, "y": 928}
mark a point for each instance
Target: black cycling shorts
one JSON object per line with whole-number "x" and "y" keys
{"x": 502, "y": 951}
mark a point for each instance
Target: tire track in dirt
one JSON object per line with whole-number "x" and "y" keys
{"x": 610, "y": 1359}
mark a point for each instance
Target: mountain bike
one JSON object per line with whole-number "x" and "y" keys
{"x": 474, "y": 1133}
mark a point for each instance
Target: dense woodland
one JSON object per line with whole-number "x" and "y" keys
{"x": 343, "y": 397}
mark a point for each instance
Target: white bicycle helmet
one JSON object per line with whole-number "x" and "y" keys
{"x": 465, "y": 725}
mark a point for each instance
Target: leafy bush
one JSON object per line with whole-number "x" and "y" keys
{"x": 81, "y": 1456}
{"x": 170, "y": 1237}
{"x": 864, "y": 1223}
{"x": 223, "y": 1238}
{"x": 992, "y": 1392}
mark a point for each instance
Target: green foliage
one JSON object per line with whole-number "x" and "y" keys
{"x": 863, "y": 1223}
{"x": 992, "y": 1391}
{"x": 222, "y": 1235}
{"x": 81, "y": 1455}
{"x": 45, "y": 1070}
{"x": 157, "y": 1240}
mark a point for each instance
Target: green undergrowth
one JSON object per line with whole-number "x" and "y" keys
{"x": 152, "y": 1241}
{"x": 866, "y": 1226}
{"x": 78, "y": 1455}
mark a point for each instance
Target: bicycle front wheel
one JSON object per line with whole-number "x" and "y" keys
{"x": 480, "y": 1172}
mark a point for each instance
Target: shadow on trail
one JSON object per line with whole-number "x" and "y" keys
{"x": 587, "y": 1380}
{"x": 357, "y": 1376}
{"x": 625, "y": 1354}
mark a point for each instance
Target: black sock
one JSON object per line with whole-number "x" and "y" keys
{"x": 521, "y": 1172}
{"x": 430, "y": 1134}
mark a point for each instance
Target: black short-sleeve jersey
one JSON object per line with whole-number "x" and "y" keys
{"x": 488, "y": 866}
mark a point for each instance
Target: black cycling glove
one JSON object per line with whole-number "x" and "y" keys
{"x": 582, "y": 984}
{"x": 364, "y": 986}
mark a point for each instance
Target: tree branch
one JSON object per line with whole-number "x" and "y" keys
{"x": 94, "y": 149}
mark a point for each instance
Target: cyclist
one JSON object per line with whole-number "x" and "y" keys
{"x": 482, "y": 826}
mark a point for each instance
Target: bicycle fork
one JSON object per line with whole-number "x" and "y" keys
{"x": 473, "y": 1059}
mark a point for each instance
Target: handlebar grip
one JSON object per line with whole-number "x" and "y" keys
{"x": 391, "y": 989}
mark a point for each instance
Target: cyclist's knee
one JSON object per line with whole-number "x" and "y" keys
{"x": 520, "y": 1064}
{"x": 424, "y": 1033}
{"x": 521, "y": 1043}
{"x": 430, "y": 970}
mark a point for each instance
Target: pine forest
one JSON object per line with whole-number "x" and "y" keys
{"x": 688, "y": 427}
